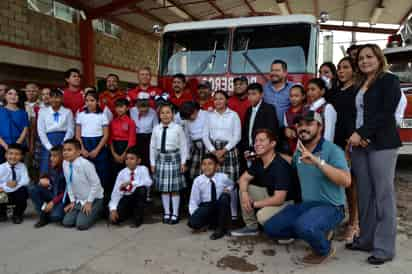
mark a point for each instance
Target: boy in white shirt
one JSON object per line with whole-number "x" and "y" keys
{"x": 129, "y": 192}
{"x": 210, "y": 199}
{"x": 13, "y": 181}
{"x": 83, "y": 188}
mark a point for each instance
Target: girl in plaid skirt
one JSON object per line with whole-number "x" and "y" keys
{"x": 168, "y": 155}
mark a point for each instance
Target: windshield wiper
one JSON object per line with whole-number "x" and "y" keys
{"x": 251, "y": 62}
{"x": 209, "y": 61}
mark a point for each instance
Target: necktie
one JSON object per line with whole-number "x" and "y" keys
{"x": 56, "y": 117}
{"x": 68, "y": 182}
{"x": 163, "y": 144}
{"x": 213, "y": 191}
{"x": 130, "y": 186}
{"x": 13, "y": 173}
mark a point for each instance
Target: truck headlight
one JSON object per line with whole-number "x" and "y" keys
{"x": 406, "y": 123}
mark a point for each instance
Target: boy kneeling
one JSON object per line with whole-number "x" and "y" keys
{"x": 129, "y": 192}
{"x": 13, "y": 181}
{"x": 47, "y": 196}
{"x": 210, "y": 199}
{"x": 83, "y": 188}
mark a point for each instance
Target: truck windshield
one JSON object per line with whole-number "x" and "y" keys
{"x": 254, "y": 48}
{"x": 198, "y": 52}
{"x": 400, "y": 63}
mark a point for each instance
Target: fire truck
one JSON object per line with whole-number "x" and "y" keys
{"x": 399, "y": 56}
{"x": 220, "y": 50}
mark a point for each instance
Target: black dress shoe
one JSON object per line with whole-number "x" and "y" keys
{"x": 217, "y": 235}
{"x": 166, "y": 219}
{"x": 377, "y": 261}
{"x": 355, "y": 247}
{"x": 42, "y": 222}
{"x": 174, "y": 221}
{"x": 17, "y": 220}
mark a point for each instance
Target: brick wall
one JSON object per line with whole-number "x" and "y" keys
{"x": 22, "y": 26}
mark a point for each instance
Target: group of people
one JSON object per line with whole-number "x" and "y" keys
{"x": 283, "y": 152}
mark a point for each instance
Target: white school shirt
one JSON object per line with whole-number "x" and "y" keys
{"x": 85, "y": 185}
{"x": 201, "y": 189}
{"x": 47, "y": 124}
{"x": 222, "y": 127}
{"x": 145, "y": 123}
{"x": 400, "y": 109}
{"x": 175, "y": 140}
{"x": 141, "y": 178}
{"x": 92, "y": 123}
{"x": 329, "y": 118}
{"x": 22, "y": 176}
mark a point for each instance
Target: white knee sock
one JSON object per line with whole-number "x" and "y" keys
{"x": 175, "y": 205}
{"x": 166, "y": 203}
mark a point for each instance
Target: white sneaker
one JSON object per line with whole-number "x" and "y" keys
{"x": 285, "y": 241}
{"x": 245, "y": 231}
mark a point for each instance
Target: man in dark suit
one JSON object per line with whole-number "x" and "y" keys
{"x": 259, "y": 115}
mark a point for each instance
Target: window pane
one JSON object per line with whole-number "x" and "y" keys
{"x": 199, "y": 52}
{"x": 63, "y": 12}
{"x": 255, "y": 48}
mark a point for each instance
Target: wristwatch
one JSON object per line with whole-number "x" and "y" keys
{"x": 321, "y": 162}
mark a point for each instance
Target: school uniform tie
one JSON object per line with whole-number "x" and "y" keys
{"x": 130, "y": 186}
{"x": 69, "y": 181}
{"x": 163, "y": 144}
{"x": 212, "y": 191}
{"x": 56, "y": 117}
{"x": 13, "y": 173}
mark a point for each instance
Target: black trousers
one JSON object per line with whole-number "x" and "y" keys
{"x": 17, "y": 198}
{"x": 132, "y": 206}
{"x": 216, "y": 214}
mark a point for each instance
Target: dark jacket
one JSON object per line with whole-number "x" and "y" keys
{"x": 58, "y": 184}
{"x": 265, "y": 118}
{"x": 380, "y": 103}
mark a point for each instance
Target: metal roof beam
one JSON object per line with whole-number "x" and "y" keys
{"x": 403, "y": 19}
{"x": 180, "y": 7}
{"x": 251, "y": 8}
{"x": 111, "y": 7}
{"x": 148, "y": 15}
{"x": 217, "y": 8}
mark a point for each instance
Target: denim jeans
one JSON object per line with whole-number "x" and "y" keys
{"x": 40, "y": 195}
{"x": 309, "y": 221}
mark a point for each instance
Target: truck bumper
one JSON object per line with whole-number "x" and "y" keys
{"x": 405, "y": 149}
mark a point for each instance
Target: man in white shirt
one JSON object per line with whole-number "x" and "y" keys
{"x": 210, "y": 199}
{"x": 13, "y": 181}
{"x": 83, "y": 188}
{"x": 129, "y": 192}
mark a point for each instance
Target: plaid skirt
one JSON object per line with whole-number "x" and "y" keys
{"x": 196, "y": 152}
{"x": 168, "y": 177}
{"x": 230, "y": 165}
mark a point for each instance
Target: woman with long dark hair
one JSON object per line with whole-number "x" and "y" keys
{"x": 375, "y": 144}
{"x": 343, "y": 99}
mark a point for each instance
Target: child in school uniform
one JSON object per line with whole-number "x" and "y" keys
{"x": 55, "y": 125}
{"x": 13, "y": 181}
{"x": 92, "y": 130}
{"x": 47, "y": 195}
{"x": 297, "y": 97}
{"x": 194, "y": 120}
{"x": 129, "y": 192}
{"x": 83, "y": 188}
{"x": 122, "y": 136}
{"x": 168, "y": 155}
{"x": 210, "y": 199}
{"x": 145, "y": 119}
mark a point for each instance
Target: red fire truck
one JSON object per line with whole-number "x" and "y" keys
{"x": 220, "y": 50}
{"x": 399, "y": 56}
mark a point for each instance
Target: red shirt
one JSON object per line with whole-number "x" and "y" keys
{"x": 108, "y": 99}
{"x": 240, "y": 106}
{"x": 208, "y": 105}
{"x": 73, "y": 100}
{"x": 153, "y": 91}
{"x": 185, "y": 96}
{"x": 123, "y": 128}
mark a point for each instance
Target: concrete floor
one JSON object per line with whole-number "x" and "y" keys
{"x": 158, "y": 248}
